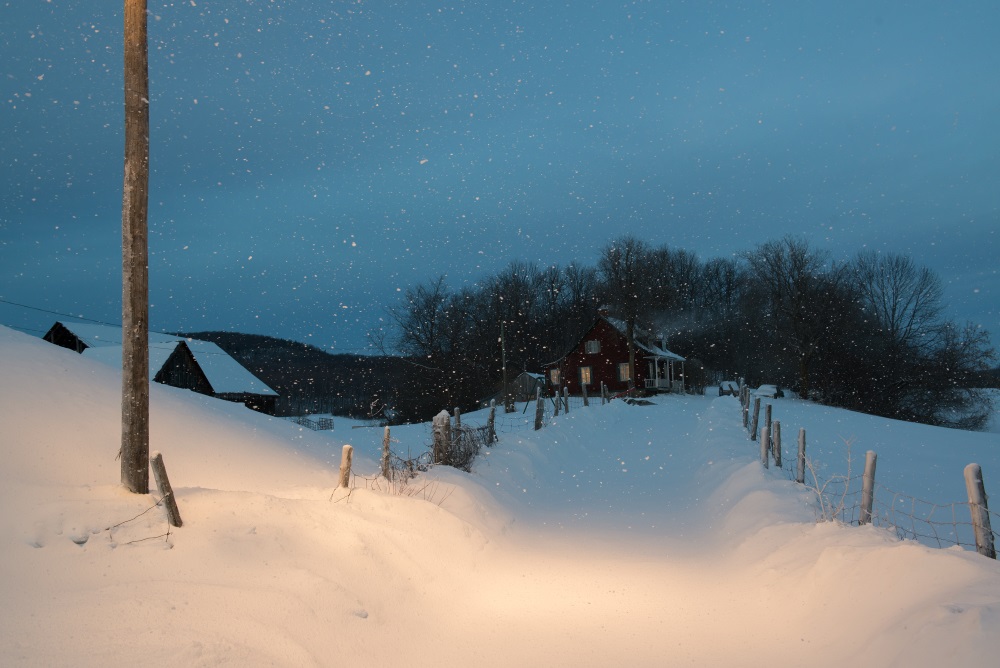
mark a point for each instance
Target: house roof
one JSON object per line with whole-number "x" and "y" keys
{"x": 225, "y": 374}
{"x": 644, "y": 341}
{"x": 620, "y": 327}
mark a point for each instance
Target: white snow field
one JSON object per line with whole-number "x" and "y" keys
{"x": 617, "y": 535}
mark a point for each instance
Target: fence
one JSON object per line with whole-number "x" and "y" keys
{"x": 861, "y": 499}
{"x": 316, "y": 424}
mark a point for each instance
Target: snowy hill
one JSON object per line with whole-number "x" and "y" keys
{"x": 638, "y": 535}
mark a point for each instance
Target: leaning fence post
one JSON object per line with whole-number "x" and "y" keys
{"x": 386, "y": 456}
{"x": 491, "y": 422}
{"x": 765, "y": 439}
{"x": 539, "y": 409}
{"x": 566, "y": 397}
{"x": 346, "y": 456}
{"x": 776, "y": 442}
{"x": 868, "y": 488}
{"x": 800, "y": 470}
{"x": 584, "y": 387}
{"x": 756, "y": 418}
{"x": 166, "y": 491}
{"x": 442, "y": 437}
{"x": 980, "y": 511}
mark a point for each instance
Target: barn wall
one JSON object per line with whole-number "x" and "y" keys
{"x": 181, "y": 370}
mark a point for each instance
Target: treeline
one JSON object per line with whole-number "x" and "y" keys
{"x": 311, "y": 380}
{"x": 868, "y": 334}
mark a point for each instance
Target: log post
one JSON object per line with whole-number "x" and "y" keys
{"x": 565, "y": 393}
{"x": 585, "y": 401}
{"x": 776, "y": 442}
{"x": 767, "y": 417}
{"x": 442, "y": 437}
{"x": 868, "y": 488}
{"x": 800, "y": 469}
{"x": 539, "y": 409}
{"x": 166, "y": 491}
{"x": 346, "y": 457}
{"x": 491, "y": 422}
{"x": 980, "y": 511}
{"x": 558, "y": 403}
{"x": 604, "y": 393}
{"x": 386, "y": 456}
{"x": 458, "y": 421}
{"x": 756, "y": 418}
{"x": 765, "y": 438}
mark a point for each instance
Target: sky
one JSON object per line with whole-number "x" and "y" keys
{"x": 313, "y": 160}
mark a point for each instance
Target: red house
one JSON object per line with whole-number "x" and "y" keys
{"x": 601, "y": 356}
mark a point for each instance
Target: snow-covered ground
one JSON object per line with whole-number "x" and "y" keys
{"x": 617, "y": 535}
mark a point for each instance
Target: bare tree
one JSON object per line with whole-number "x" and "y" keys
{"x": 626, "y": 268}
{"x": 795, "y": 279}
{"x": 135, "y": 278}
{"x": 904, "y": 299}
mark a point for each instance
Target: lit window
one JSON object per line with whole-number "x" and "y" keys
{"x": 592, "y": 347}
{"x": 585, "y": 375}
{"x": 623, "y": 374}
{"x": 554, "y": 376}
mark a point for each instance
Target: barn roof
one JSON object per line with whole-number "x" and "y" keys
{"x": 100, "y": 336}
{"x": 225, "y": 374}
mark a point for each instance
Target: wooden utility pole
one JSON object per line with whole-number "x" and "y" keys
{"x": 135, "y": 272}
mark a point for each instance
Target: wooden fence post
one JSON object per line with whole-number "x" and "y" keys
{"x": 539, "y": 409}
{"x": 765, "y": 439}
{"x": 491, "y": 422}
{"x": 442, "y": 437}
{"x": 868, "y": 488}
{"x": 166, "y": 491}
{"x": 386, "y": 456}
{"x": 776, "y": 442}
{"x": 585, "y": 401}
{"x": 767, "y": 418}
{"x": 756, "y": 418}
{"x": 346, "y": 456}
{"x": 604, "y": 393}
{"x": 566, "y": 397}
{"x": 800, "y": 470}
{"x": 458, "y": 421}
{"x": 980, "y": 511}
{"x": 558, "y": 403}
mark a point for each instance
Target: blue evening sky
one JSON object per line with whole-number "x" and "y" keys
{"x": 313, "y": 159}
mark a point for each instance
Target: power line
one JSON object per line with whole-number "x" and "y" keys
{"x": 65, "y": 315}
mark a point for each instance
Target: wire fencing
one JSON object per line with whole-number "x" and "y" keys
{"x": 842, "y": 498}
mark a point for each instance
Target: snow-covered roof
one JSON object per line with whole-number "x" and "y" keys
{"x": 650, "y": 347}
{"x": 99, "y": 336}
{"x": 112, "y": 355}
{"x": 225, "y": 374}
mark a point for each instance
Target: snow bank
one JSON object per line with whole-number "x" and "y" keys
{"x": 645, "y": 535}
